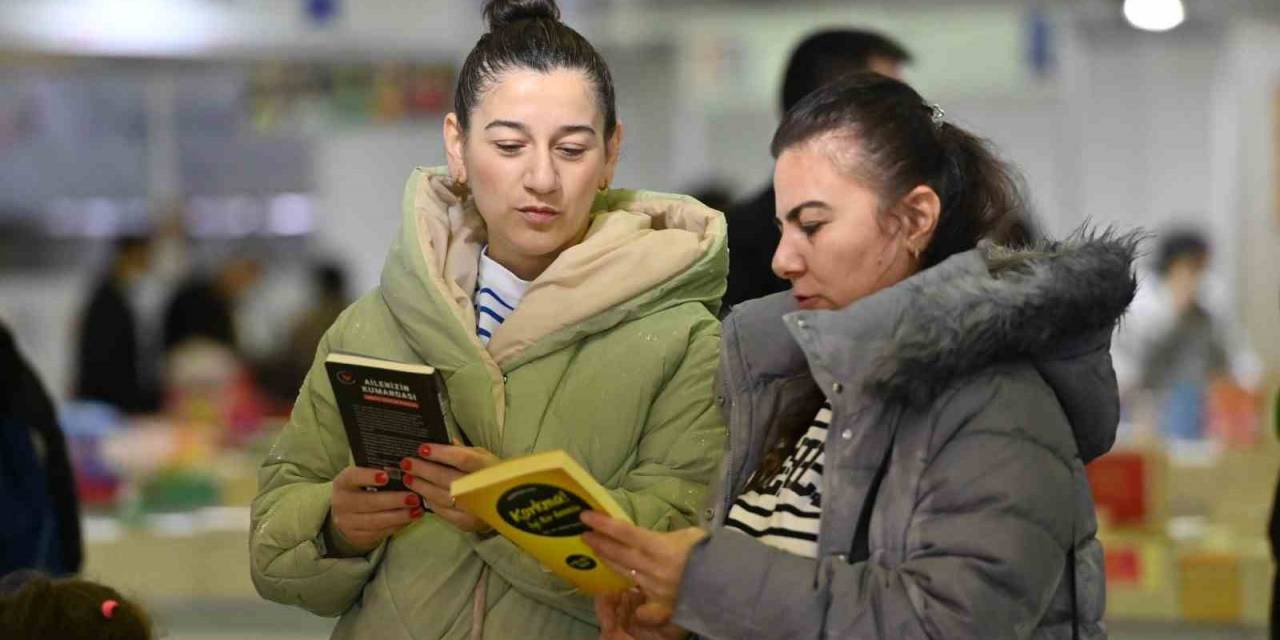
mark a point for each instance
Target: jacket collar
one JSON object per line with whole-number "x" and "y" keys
{"x": 1050, "y": 303}
{"x": 643, "y": 252}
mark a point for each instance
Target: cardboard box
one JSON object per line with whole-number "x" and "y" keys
{"x": 1209, "y": 587}
{"x": 1141, "y": 575}
{"x": 1129, "y": 489}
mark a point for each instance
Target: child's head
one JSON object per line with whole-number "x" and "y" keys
{"x": 36, "y": 606}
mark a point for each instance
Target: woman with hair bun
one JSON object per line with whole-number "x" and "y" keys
{"x": 560, "y": 314}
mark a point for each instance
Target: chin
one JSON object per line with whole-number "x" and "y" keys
{"x": 538, "y": 242}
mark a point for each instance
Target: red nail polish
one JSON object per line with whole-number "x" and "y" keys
{"x": 408, "y": 480}
{"x": 381, "y": 478}
{"x": 425, "y": 451}
{"x": 406, "y": 464}
{"x": 415, "y": 514}
{"x": 411, "y": 501}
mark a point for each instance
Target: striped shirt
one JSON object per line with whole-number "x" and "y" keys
{"x": 498, "y": 291}
{"x": 787, "y": 512}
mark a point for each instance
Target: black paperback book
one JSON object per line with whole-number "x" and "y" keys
{"x": 388, "y": 408}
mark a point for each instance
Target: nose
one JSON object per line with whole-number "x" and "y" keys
{"x": 542, "y": 177}
{"x": 788, "y": 263}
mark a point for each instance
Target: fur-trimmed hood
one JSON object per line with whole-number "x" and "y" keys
{"x": 1054, "y": 304}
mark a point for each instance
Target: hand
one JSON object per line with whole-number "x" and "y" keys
{"x": 616, "y": 612}
{"x": 364, "y": 518}
{"x": 654, "y": 560}
{"x": 433, "y": 472}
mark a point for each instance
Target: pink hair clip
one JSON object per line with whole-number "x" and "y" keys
{"x": 109, "y": 608}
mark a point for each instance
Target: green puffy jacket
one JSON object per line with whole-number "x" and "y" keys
{"x": 611, "y": 356}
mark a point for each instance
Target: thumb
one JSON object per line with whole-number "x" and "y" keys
{"x": 653, "y": 614}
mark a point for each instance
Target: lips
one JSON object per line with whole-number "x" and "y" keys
{"x": 538, "y": 215}
{"x": 807, "y": 302}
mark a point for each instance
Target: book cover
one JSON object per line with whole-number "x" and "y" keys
{"x": 535, "y": 502}
{"x": 388, "y": 410}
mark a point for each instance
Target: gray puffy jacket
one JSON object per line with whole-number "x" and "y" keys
{"x": 977, "y": 389}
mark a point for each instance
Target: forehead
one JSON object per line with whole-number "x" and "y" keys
{"x": 823, "y": 171}
{"x": 553, "y": 99}
{"x": 826, "y": 162}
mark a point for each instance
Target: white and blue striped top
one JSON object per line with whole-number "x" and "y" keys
{"x": 498, "y": 291}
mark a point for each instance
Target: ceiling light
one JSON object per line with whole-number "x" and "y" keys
{"x": 1154, "y": 15}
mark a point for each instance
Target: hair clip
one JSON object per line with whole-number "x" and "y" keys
{"x": 936, "y": 114}
{"x": 109, "y": 608}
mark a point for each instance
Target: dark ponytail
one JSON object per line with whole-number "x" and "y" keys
{"x": 528, "y": 34}
{"x": 903, "y": 142}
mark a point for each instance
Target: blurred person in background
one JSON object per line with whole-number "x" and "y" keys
{"x": 108, "y": 357}
{"x": 714, "y": 195}
{"x": 41, "y": 524}
{"x": 820, "y": 59}
{"x": 525, "y": 281}
{"x": 204, "y": 306}
{"x": 34, "y": 606}
{"x": 1170, "y": 347}
{"x": 912, "y": 420}
{"x": 329, "y": 297}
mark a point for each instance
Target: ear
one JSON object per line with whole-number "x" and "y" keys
{"x": 613, "y": 150}
{"x": 920, "y": 210}
{"x": 454, "y": 141}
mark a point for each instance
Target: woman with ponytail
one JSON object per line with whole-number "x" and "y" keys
{"x": 909, "y": 424}
{"x": 559, "y": 313}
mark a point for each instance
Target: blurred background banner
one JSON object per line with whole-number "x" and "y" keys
{"x": 202, "y": 185}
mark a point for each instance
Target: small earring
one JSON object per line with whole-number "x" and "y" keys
{"x": 604, "y": 186}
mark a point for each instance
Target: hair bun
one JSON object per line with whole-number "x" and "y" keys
{"x": 500, "y": 13}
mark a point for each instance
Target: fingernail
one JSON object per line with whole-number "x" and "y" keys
{"x": 408, "y": 480}
{"x": 415, "y": 513}
{"x": 425, "y": 451}
{"x": 406, "y": 464}
{"x": 381, "y": 478}
{"x": 410, "y": 501}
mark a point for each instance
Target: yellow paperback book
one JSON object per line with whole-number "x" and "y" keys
{"x": 535, "y": 502}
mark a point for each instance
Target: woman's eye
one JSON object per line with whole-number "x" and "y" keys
{"x": 572, "y": 152}
{"x": 811, "y": 228}
{"x": 507, "y": 147}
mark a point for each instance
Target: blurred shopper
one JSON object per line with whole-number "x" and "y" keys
{"x": 912, "y": 420}
{"x": 527, "y": 283}
{"x": 41, "y": 524}
{"x": 1170, "y": 347}
{"x": 37, "y": 606}
{"x": 204, "y": 307}
{"x": 714, "y": 195}
{"x": 286, "y": 371}
{"x": 108, "y": 358}
{"x": 818, "y": 60}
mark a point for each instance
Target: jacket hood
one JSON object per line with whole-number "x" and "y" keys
{"x": 643, "y": 252}
{"x": 1054, "y": 303}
